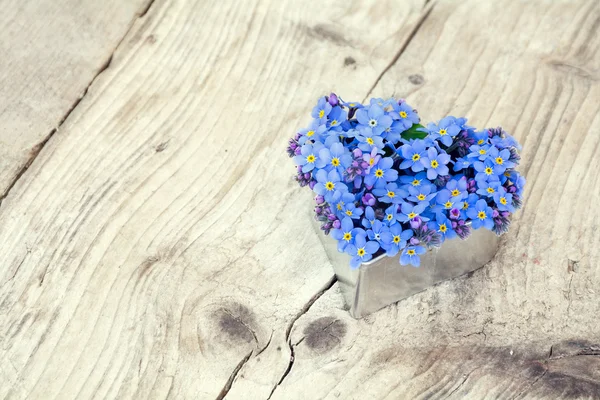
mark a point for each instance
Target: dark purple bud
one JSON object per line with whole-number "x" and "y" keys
{"x": 326, "y": 226}
{"x": 512, "y": 189}
{"x": 505, "y": 214}
{"x": 454, "y": 224}
{"x": 318, "y": 210}
{"x": 495, "y": 213}
{"x": 312, "y": 184}
{"x": 320, "y": 199}
{"x": 297, "y": 151}
{"x": 337, "y": 224}
{"x": 331, "y": 217}
{"x": 307, "y": 176}
{"x": 368, "y": 199}
{"x": 454, "y": 213}
{"x": 416, "y": 222}
{"x": 298, "y": 135}
{"x": 414, "y": 241}
{"x": 333, "y": 99}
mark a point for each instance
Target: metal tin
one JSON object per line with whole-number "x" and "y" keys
{"x": 383, "y": 281}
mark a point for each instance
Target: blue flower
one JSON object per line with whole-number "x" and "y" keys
{"x": 481, "y": 215}
{"x": 369, "y": 217}
{"x": 445, "y": 130}
{"x": 314, "y": 132}
{"x": 421, "y": 193}
{"x": 393, "y": 133}
{"x": 391, "y": 193}
{"x": 321, "y": 110}
{"x": 336, "y": 157}
{"x": 435, "y": 163}
{"x": 487, "y": 188}
{"x": 361, "y": 251}
{"x": 461, "y": 163}
{"x": 395, "y": 239}
{"x": 412, "y": 154}
{"x": 352, "y": 211}
{"x": 352, "y": 104}
{"x": 481, "y": 137}
{"x": 309, "y": 156}
{"x": 457, "y": 187}
{"x": 485, "y": 170}
{"x": 339, "y": 200}
{"x": 405, "y": 115}
{"x": 368, "y": 140}
{"x": 374, "y": 118}
{"x": 410, "y": 255}
{"x": 377, "y": 229}
{"x": 442, "y": 225}
{"x": 500, "y": 158}
{"x": 381, "y": 173}
{"x": 336, "y": 118}
{"x": 479, "y": 152}
{"x": 409, "y": 211}
{"x": 346, "y": 234}
{"x": 504, "y": 200}
{"x": 416, "y": 181}
{"x": 446, "y": 200}
{"x": 391, "y": 215}
{"x": 467, "y": 204}
{"x": 328, "y": 184}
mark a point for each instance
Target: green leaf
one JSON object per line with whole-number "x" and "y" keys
{"x": 414, "y": 132}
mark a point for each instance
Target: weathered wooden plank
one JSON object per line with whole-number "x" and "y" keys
{"x": 50, "y": 51}
{"x": 534, "y": 68}
{"x": 159, "y": 244}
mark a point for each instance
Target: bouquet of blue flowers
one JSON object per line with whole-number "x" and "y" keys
{"x": 384, "y": 183}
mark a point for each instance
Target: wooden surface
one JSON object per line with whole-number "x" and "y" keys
{"x": 157, "y": 246}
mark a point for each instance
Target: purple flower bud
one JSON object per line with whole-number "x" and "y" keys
{"x": 297, "y": 151}
{"x": 454, "y": 213}
{"x": 415, "y": 222}
{"x": 320, "y": 199}
{"x": 414, "y": 241}
{"x": 368, "y": 199}
{"x": 312, "y": 184}
{"x": 298, "y": 135}
{"x": 318, "y": 210}
{"x": 337, "y": 224}
{"x": 331, "y": 217}
{"x": 333, "y": 99}
{"x": 505, "y": 214}
{"x": 357, "y": 153}
{"x": 454, "y": 224}
{"x": 512, "y": 189}
{"x": 495, "y": 213}
{"x": 307, "y": 176}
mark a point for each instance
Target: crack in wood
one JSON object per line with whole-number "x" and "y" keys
{"x": 36, "y": 150}
{"x": 233, "y": 375}
{"x": 411, "y": 36}
{"x": 288, "y": 330}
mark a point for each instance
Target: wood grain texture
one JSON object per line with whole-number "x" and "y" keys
{"x": 50, "y": 51}
{"x": 526, "y": 325}
{"x": 158, "y": 245}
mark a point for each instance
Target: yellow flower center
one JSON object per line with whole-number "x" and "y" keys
{"x": 334, "y": 122}
{"x": 389, "y": 217}
{"x": 411, "y": 215}
{"x": 403, "y": 114}
{"x": 379, "y": 173}
{"x": 421, "y": 197}
{"x": 310, "y": 133}
{"x": 480, "y": 142}
{"x": 481, "y": 215}
{"x": 434, "y": 163}
{"x": 321, "y": 113}
{"x": 455, "y": 192}
{"x": 361, "y": 252}
{"x": 352, "y": 104}
{"x": 416, "y": 182}
{"x": 311, "y": 158}
{"x": 370, "y": 141}
{"x": 448, "y": 204}
{"x": 410, "y": 252}
{"x": 465, "y": 205}
{"x": 482, "y": 151}
{"x": 507, "y": 174}
{"x": 371, "y": 161}
{"x": 397, "y": 239}
{"x": 335, "y": 161}
{"x": 416, "y": 157}
{"x": 330, "y": 186}
{"x": 391, "y": 194}
{"x": 499, "y": 160}
{"x": 503, "y": 200}
{"x": 490, "y": 190}
{"x": 443, "y": 228}
{"x": 443, "y": 132}
{"x": 349, "y": 213}
{"x": 340, "y": 205}
{"x": 489, "y": 171}
{"x": 347, "y": 236}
